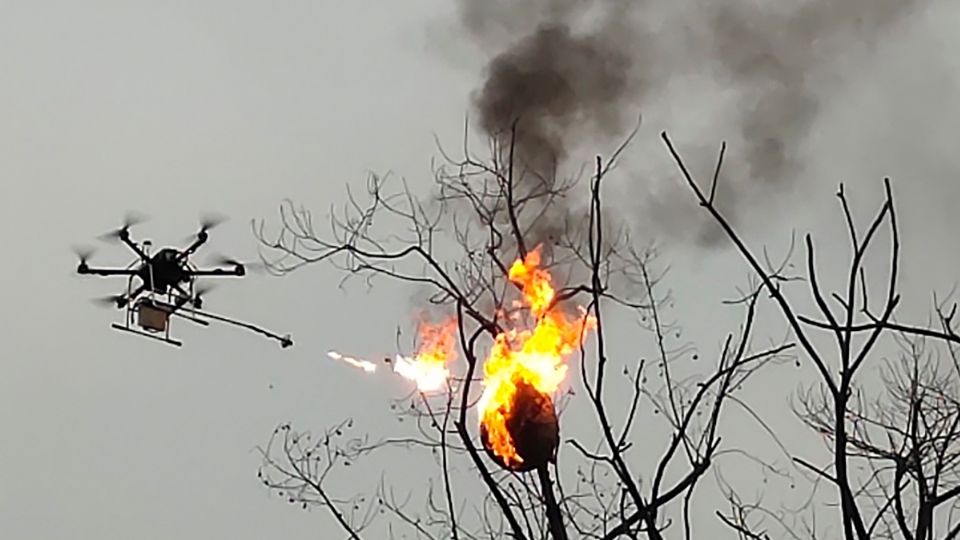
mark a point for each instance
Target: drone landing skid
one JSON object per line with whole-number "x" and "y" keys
{"x": 147, "y": 334}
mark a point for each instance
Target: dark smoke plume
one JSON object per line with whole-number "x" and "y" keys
{"x": 769, "y": 57}
{"x": 548, "y": 83}
{"x": 552, "y": 84}
{"x": 567, "y": 72}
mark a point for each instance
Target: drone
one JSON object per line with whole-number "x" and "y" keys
{"x": 163, "y": 284}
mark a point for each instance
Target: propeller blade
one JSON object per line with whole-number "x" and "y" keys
{"x": 132, "y": 218}
{"x": 129, "y": 220}
{"x": 198, "y": 293}
{"x": 111, "y": 236}
{"x": 109, "y": 301}
{"x": 210, "y": 220}
{"x": 84, "y": 252}
{"x": 201, "y": 290}
{"x": 222, "y": 260}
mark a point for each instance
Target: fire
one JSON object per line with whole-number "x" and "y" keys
{"x": 534, "y": 357}
{"x": 537, "y": 290}
{"x": 365, "y": 365}
{"x": 429, "y": 367}
{"x": 525, "y": 366}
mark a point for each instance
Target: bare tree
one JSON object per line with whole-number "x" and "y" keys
{"x": 458, "y": 247}
{"x": 894, "y": 453}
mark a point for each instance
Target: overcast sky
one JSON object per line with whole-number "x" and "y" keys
{"x": 178, "y": 108}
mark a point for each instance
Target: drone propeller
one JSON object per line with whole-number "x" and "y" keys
{"x": 129, "y": 220}
{"x": 115, "y": 300}
{"x": 207, "y": 222}
{"x": 83, "y": 253}
{"x": 203, "y": 289}
{"x": 222, "y": 260}
{"x": 199, "y": 292}
{"x": 210, "y": 220}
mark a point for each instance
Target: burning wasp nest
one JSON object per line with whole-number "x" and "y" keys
{"x": 523, "y": 434}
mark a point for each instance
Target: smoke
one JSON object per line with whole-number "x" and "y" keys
{"x": 567, "y": 72}
{"x": 553, "y": 85}
{"x": 548, "y": 83}
{"x": 770, "y": 57}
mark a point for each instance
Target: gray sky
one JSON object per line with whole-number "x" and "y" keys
{"x": 178, "y": 108}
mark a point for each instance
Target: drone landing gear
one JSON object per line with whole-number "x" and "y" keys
{"x": 153, "y": 317}
{"x": 164, "y": 338}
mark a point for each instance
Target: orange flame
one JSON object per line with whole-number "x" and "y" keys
{"x": 429, "y": 367}
{"x": 535, "y": 355}
{"x": 537, "y": 290}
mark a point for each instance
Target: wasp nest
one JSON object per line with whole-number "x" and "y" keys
{"x": 533, "y": 428}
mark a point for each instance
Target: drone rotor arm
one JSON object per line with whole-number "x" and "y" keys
{"x": 238, "y": 271}
{"x": 125, "y": 237}
{"x": 192, "y": 248}
{"x": 83, "y": 269}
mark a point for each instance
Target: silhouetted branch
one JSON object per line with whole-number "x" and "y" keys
{"x": 458, "y": 249}
{"x": 906, "y": 442}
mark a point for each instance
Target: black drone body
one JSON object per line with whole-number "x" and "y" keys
{"x": 166, "y": 284}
